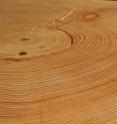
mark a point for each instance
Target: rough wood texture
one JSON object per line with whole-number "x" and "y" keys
{"x": 58, "y": 62}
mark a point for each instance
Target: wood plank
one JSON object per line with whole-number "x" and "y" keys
{"x": 58, "y": 62}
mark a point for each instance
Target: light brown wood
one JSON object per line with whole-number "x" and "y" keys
{"x": 58, "y": 62}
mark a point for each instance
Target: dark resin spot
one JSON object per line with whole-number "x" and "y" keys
{"x": 22, "y": 53}
{"x": 24, "y": 39}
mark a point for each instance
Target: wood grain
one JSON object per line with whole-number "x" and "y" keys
{"x": 58, "y": 62}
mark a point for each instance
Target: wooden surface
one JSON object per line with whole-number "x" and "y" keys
{"x": 58, "y": 62}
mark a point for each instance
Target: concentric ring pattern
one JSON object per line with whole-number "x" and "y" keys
{"x": 40, "y": 41}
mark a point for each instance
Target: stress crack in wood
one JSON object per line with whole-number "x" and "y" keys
{"x": 64, "y": 19}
